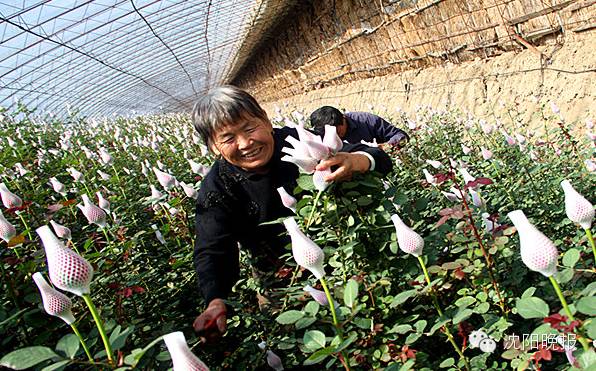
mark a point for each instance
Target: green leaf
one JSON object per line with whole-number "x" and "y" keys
{"x": 465, "y": 301}
{"x": 462, "y": 315}
{"x": 532, "y": 307}
{"x": 363, "y": 323}
{"x": 412, "y": 338}
{"x": 24, "y": 358}
{"x": 401, "y": 329}
{"x": 447, "y": 363}
{"x": 68, "y": 344}
{"x": 565, "y": 275}
{"x": 482, "y": 308}
{"x": 117, "y": 338}
{"x": 305, "y": 182}
{"x": 346, "y": 343}
{"x": 314, "y": 340}
{"x": 56, "y": 366}
{"x": 350, "y": 293}
{"x": 591, "y": 328}
{"x": 529, "y": 292}
{"x": 587, "y": 305}
{"x": 420, "y": 325}
{"x": 437, "y": 326}
{"x": 304, "y": 322}
{"x": 138, "y": 354}
{"x": 571, "y": 257}
{"x": 319, "y": 356}
{"x": 289, "y": 317}
{"x": 402, "y": 297}
{"x": 312, "y": 308}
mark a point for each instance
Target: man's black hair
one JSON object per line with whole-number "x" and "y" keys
{"x": 325, "y": 115}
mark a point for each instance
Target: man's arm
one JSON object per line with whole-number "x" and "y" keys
{"x": 356, "y": 158}
{"x": 387, "y": 133}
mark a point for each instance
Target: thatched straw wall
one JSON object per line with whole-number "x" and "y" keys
{"x": 332, "y": 43}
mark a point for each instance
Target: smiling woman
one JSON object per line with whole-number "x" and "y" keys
{"x": 248, "y": 144}
{"x": 240, "y": 193}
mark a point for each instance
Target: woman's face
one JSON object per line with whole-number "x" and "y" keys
{"x": 247, "y": 143}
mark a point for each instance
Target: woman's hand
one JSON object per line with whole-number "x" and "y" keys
{"x": 347, "y": 165}
{"x": 211, "y": 324}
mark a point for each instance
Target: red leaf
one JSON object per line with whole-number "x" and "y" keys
{"x": 137, "y": 289}
{"x": 442, "y": 221}
{"x": 483, "y": 181}
{"x": 459, "y": 274}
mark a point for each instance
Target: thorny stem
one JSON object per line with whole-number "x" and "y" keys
{"x": 76, "y": 331}
{"x": 99, "y": 324}
{"x": 555, "y": 284}
{"x": 438, "y": 307}
{"x": 591, "y": 239}
{"x": 489, "y": 262}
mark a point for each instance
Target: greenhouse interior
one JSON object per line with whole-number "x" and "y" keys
{"x": 297, "y": 185}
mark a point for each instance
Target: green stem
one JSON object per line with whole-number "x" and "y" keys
{"x": 76, "y": 331}
{"x": 591, "y": 239}
{"x": 567, "y": 310}
{"x": 312, "y": 211}
{"x": 105, "y": 233}
{"x": 440, "y": 311}
{"x": 330, "y": 300}
{"x": 87, "y": 189}
{"x": 26, "y": 226}
{"x": 100, "y": 328}
{"x": 335, "y": 322}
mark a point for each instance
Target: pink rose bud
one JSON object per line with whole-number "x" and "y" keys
{"x": 486, "y": 154}
{"x": 537, "y": 251}
{"x": 61, "y": 231}
{"x": 106, "y": 158}
{"x": 286, "y": 199}
{"x": 9, "y": 199}
{"x": 578, "y": 209}
{"x": 7, "y": 230}
{"x": 554, "y": 108}
{"x": 103, "y": 176}
{"x": 55, "y": 303}
{"x": 68, "y": 270}
{"x": 166, "y": 180}
{"x": 183, "y": 358}
{"x": 189, "y": 190}
{"x": 476, "y": 198}
{"x": 450, "y": 196}
{"x": 331, "y": 140}
{"x": 306, "y": 253}
{"x": 298, "y": 150}
{"x": 94, "y": 214}
{"x": 466, "y": 175}
{"x": 466, "y": 150}
{"x": 430, "y": 179}
{"x": 102, "y": 202}
{"x": 57, "y": 186}
{"x": 590, "y": 165}
{"x": 318, "y": 178}
{"x": 76, "y": 175}
{"x": 435, "y": 164}
{"x": 509, "y": 139}
{"x": 318, "y": 295}
{"x": 317, "y": 149}
{"x": 489, "y": 225}
{"x": 306, "y": 164}
{"x": 274, "y": 361}
{"x": 409, "y": 241}
{"x": 155, "y": 193}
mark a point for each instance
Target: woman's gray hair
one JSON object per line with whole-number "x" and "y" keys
{"x": 223, "y": 106}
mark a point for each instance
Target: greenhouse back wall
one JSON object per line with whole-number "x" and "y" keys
{"x": 297, "y": 185}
